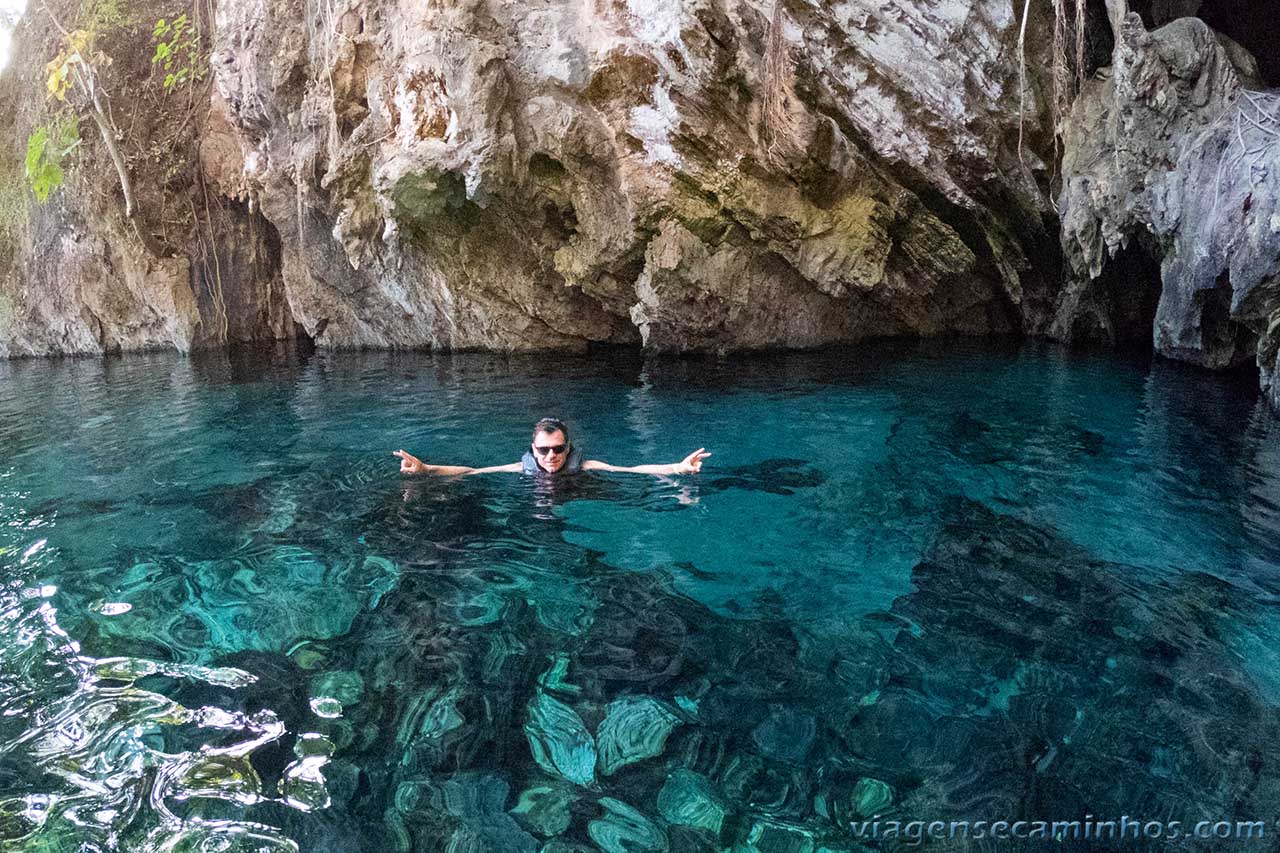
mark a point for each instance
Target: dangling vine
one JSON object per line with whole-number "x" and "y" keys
{"x": 777, "y": 122}
{"x": 1066, "y": 84}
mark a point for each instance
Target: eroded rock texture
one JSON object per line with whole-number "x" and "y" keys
{"x": 703, "y": 175}
{"x": 549, "y": 174}
{"x": 1172, "y": 165}
{"x": 192, "y": 269}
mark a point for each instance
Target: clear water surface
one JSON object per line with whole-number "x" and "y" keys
{"x": 914, "y": 582}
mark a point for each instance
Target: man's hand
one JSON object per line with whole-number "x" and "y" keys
{"x": 692, "y": 463}
{"x": 410, "y": 464}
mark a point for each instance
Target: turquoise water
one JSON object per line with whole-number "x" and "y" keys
{"x": 919, "y": 582}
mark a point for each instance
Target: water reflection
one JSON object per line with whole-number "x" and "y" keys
{"x": 86, "y": 748}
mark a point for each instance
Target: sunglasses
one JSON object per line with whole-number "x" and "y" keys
{"x": 557, "y": 449}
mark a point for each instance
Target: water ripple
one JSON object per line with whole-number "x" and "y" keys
{"x": 912, "y": 582}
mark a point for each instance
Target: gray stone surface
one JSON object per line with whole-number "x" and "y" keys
{"x": 544, "y": 175}
{"x": 519, "y": 176}
{"x": 1176, "y": 152}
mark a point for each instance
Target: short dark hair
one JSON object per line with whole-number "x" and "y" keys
{"x": 551, "y": 425}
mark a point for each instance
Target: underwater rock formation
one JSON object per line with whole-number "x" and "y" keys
{"x": 515, "y": 176}
{"x": 1172, "y": 164}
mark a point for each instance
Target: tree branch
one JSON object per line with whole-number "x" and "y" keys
{"x": 85, "y": 80}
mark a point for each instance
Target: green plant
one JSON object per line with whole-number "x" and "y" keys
{"x": 178, "y": 52}
{"x": 102, "y": 16}
{"x": 73, "y": 83}
{"x": 47, "y": 146}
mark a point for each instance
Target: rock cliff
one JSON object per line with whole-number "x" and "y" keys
{"x": 703, "y": 175}
{"x": 1171, "y": 201}
{"x": 191, "y": 268}
{"x": 707, "y": 175}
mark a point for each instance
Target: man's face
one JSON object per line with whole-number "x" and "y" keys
{"x": 551, "y": 450}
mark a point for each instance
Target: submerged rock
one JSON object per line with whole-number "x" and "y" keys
{"x": 544, "y": 811}
{"x": 622, "y": 829}
{"x": 556, "y": 677}
{"x": 871, "y": 796}
{"x": 344, "y": 686}
{"x": 559, "y": 740}
{"x": 774, "y": 837}
{"x": 634, "y": 728}
{"x": 687, "y": 799}
{"x": 786, "y": 735}
{"x": 558, "y": 846}
{"x": 464, "y": 812}
{"x": 430, "y": 715}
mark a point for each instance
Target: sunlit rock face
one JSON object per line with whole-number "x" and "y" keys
{"x": 551, "y": 174}
{"x": 1173, "y": 159}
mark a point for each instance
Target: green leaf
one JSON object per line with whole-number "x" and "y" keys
{"x": 46, "y": 181}
{"x": 45, "y": 149}
{"x": 68, "y": 136}
{"x": 35, "y": 151}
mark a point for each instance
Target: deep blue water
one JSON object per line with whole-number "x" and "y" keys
{"x": 919, "y": 582}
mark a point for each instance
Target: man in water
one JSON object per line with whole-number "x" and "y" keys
{"x": 551, "y": 453}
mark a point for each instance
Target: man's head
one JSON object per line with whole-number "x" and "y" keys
{"x": 551, "y": 444}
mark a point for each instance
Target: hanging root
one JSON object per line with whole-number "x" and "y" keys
{"x": 777, "y": 122}
{"x": 1058, "y": 67}
{"x": 1080, "y": 31}
{"x": 219, "y": 300}
{"x": 1066, "y": 71}
{"x": 1022, "y": 76}
{"x": 1253, "y": 132}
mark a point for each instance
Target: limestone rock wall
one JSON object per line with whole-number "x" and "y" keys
{"x": 484, "y": 174}
{"x": 550, "y": 174}
{"x": 193, "y": 268}
{"x": 707, "y": 175}
{"x": 1174, "y": 158}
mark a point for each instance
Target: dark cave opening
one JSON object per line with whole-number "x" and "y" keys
{"x": 1253, "y": 24}
{"x": 1227, "y": 343}
{"x": 1124, "y": 299}
{"x": 237, "y": 279}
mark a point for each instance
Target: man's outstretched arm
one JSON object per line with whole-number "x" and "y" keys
{"x": 691, "y": 464}
{"x": 410, "y": 464}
